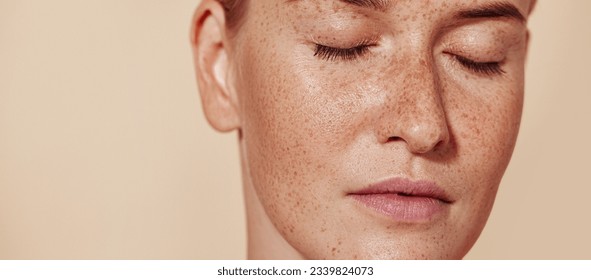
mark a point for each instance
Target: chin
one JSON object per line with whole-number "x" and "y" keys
{"x": 404, "y": 243}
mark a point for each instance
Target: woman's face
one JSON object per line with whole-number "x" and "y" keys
{"x": 378, "y": 129}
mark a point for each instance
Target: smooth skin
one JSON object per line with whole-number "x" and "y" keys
{"x": 329, "y": 97}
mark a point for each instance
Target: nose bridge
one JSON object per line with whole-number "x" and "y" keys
{"x": 421, "y": 91}
{"x": 415, "y": 112}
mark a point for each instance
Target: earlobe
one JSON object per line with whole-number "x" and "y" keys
{"x": 209, "y": 42}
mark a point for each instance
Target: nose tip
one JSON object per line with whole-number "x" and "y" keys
{"x": 414, "y": 109}
{"x": 416, "y": 115}
{"x": 424, "y": 137}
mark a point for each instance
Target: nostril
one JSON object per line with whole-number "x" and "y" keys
{"x": 394, "y": 138}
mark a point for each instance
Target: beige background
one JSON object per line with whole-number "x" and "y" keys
{"x": 104, "y": 151}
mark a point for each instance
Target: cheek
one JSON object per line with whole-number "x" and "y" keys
{"x": 289, "y": 130}
{"x": 490, "y": 129}
{"x": 483, "y": 121}
{"x": 484, "y": 124}
{"x": 297, "y": 115}
{"x": 298, "y": 125}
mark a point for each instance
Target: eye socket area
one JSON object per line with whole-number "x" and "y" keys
{"x": 481, "y": 50}
{"x": 492, "y": 67}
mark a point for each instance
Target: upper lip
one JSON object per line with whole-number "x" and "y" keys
{"x": 403, "y": 186}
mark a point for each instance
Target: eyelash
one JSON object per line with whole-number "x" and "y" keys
{"x": 485, "y": 68}
{"x": 349, "y": 54}
{"x": 344, "y": 54}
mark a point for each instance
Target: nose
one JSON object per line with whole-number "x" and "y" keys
{"x": 413, "y": 111}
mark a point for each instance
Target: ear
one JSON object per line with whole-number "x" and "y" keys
{"x": 210, "y": 53}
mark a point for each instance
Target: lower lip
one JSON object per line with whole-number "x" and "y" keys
{"x": 402, "y": 208}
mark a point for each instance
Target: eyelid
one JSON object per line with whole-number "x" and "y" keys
{"x": 331, "y": 53}
{"x": 343, "y": 39}
{"x": 489, "y": 68}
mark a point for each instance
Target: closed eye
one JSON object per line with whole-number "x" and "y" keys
{"x": 485, "y": 68}
{"x": 347, "y": 54}
{"x": 344, "y": 54}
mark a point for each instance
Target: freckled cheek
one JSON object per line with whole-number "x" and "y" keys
{"x": 289, "y": 131}
{"x": 486, "y": 137}
{"x": 281, "y": 128}
{"x": 491, "y": 128}
{"x": 297, "y": 131}
{"x": 502, "y": 126}
{"x": 485, "y": 129}
{"x": 299, "y": 116}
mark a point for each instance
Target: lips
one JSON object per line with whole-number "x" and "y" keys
{"x": 404, "y": 200}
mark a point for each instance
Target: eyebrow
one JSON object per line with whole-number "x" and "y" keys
{"x": 493, "y": 10}
{"x": 380, "y": 5}
{"x": 490, "y": 10}
{"x": 374, "y": 4}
